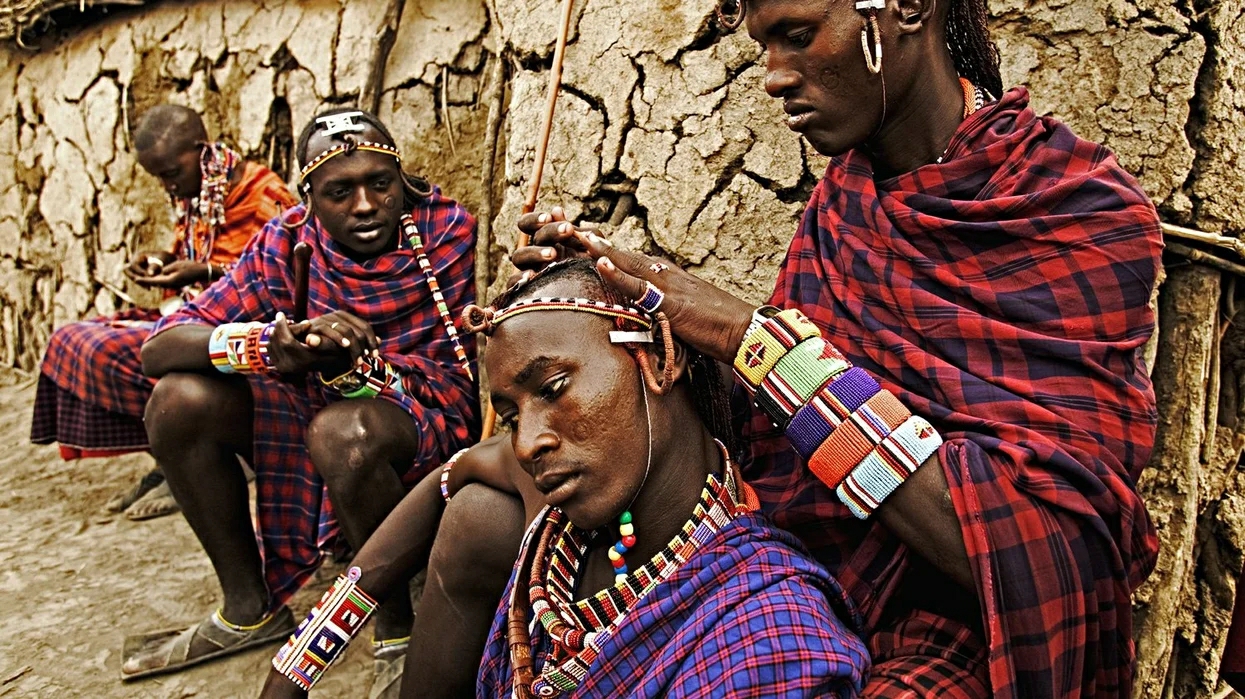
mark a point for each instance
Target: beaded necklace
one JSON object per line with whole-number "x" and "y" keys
{"x": 577, "y": 630}
{"x": 216, "y": 164}
{"x": 417, "y": 244}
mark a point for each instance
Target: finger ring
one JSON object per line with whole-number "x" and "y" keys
{"x": 333, "y": 326}
{"x": 658, "y": 267}
{"x": 652, "y": 298}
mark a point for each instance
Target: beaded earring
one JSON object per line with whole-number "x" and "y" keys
{"x": 873, "y": 60}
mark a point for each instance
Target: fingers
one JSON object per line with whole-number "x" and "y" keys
{"x": 364, "y": 336}
{"x": 534, "y": 257}
{"x": 530, "y": 223}
{"x": 630, "y": 285}
{"x": 560, "y": 233}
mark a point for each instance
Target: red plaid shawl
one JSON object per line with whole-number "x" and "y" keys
{"x": 1003, "y": 295}
{"x": 294, "y": 516}
{"x": 749, "y": 615}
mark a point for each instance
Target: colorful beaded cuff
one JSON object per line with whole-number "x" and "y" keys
{"x": 445, "y": 473}
{"x": 324, "y": 634}
{"x": 763, "y": 347}
{"x": 241, "y": 348}
{"x": 368, "y": 379}
{"x": 797, "y": 376}
{"x": 832, "y": 405}
{"x": 853, "y": 440}
{"x": 886, "y": 467}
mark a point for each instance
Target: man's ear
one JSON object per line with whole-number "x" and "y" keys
{"x": 655, "y": 356}
{"x": 913, "y": 16}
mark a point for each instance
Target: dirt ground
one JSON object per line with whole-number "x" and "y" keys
{"x": 74, "y": 582}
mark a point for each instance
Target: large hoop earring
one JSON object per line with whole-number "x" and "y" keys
{"x": 872, "y": 61}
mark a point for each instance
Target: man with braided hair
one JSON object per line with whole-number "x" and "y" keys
{"x": 92, "y": 391}
{"x": 964, "y": 456}
{"x": 338, "y": 413}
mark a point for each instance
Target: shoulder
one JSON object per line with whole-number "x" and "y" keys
{"x": 444, "y": 217}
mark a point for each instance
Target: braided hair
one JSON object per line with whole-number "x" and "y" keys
{"x": 710, "y": 395}
{"x": 413, "y": 188}
{"x": 976, "y": 56}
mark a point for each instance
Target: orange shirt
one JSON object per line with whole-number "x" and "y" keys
{"x": 254, "y": 200}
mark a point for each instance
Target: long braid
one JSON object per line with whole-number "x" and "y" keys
{"x": 968, "y": 36}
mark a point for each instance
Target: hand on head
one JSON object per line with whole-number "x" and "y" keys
{"x": 331, "y": 344}
{"x": 702, "y": 315}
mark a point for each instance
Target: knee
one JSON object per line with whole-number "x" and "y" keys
{"x": 179, "y": 408}
{"x": 477, "y": 541}
{"x": 346, "y": 440}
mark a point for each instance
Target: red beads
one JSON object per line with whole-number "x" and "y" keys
{"x": 628, "y": 541}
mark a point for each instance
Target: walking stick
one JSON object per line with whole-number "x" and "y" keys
{"x": 538, "y": 167}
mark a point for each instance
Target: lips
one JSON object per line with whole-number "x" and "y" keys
{"x": 557, "y": 487}
{"x": 799, "y": 116}
{"x": 368, "y": 232}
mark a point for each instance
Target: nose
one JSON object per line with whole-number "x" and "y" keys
{"x": 363, "y": 206}
{"x": 532, "y": 439}
{"x": 780, "y": 78}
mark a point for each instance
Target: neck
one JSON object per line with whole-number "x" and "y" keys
{"x": 919, "y": 125}
{"x": 674, "y": 484}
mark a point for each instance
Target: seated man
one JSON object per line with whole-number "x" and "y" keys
{"x": 339, "y": 414}
{"x": 92, "y": 391}
{"x": 648, "y": 571}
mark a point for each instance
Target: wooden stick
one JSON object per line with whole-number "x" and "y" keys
{"x": 538, "y": 166}
{"x": 302, "y": 268}
{"x": 1206, "y": 258}
{"x": 1234, "y": 244}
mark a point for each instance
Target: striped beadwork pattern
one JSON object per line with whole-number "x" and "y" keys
{"x": 578, "y": 629}
{"x": 445, "y": 473}
{"x": 343, "y": 148}
{"x": 324, "y": 634}
{"x": 417, "y": 244}
{"x": 555, "y": 303}
{"x": 240, "y": 348}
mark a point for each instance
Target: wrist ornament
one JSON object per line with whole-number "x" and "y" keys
{"x": 241, "y": 348}
{"x": 366, "y": 380}
{"x": 324, "y": 634}
{"x": 855, "y": 436}
{"x": 445, "y": 473}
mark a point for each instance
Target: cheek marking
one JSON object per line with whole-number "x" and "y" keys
{"x": 389, "y": 201}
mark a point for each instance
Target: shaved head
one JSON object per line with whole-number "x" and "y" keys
{"x": 171, "y": 129}
{"x": 169, "y": 141}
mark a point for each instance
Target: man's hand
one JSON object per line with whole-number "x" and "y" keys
{"x": 330, "y": 344}
{"x": 147, "y": 264}
{"x": 702, "y": 315}
{"x": 177, "y": 275}
{"x": 552, "y": 239}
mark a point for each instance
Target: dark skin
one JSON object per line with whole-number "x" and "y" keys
{"x": 572, "y": 400}
{"x": 815, "y": 65}
{"x": 175, "y": 162}
{"x": 359, "y": 447}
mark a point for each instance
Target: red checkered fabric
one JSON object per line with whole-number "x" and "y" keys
{"x": 100, "y": 392}
{"x": 1004, "y": 296}
{"x": 295, "y": 518}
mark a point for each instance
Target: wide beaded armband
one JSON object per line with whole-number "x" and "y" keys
{"x": 241, "y": 348}
{"x": 370, "y": 376}
{"x": 855, "y": 436}
{"x": 326, "y": 631}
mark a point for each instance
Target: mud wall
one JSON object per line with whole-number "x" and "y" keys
{"x": 664, "y": 133}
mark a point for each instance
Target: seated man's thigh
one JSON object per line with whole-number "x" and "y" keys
{"x": 927, "y": 655}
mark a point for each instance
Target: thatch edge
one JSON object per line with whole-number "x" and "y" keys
{"x": 18, "y": 16}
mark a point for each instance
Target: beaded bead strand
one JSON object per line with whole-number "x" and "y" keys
{"x": 626, "y": 532}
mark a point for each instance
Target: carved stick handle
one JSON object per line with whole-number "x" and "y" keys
{"x": 302, "y": 267}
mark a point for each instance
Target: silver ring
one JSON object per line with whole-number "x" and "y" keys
{"x": 333, "y": 326}
{"x": 652, "y": 298}
{"x": 658, "y": 267}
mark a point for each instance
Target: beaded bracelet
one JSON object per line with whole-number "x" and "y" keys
{"x": 241, "y": 348}
{"x": 324, "y": 634}
{"x": 445, "y": 474}
{"x": 888, "y": 466}
{"x": 366, "y": 380}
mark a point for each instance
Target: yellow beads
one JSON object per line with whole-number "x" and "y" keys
{"x": 626, "y": 529}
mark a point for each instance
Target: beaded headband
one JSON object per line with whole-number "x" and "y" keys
{"x": 485, "y": 320}
{"x": 349, "y": 146}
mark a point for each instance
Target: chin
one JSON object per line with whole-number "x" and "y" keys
{"x": 828, "y": 144}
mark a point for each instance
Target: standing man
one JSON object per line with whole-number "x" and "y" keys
{"x": 339, "y": 414}
{"x": 92, "y": 392}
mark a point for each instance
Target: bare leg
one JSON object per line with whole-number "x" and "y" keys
{"x": 470, "y": 563}
{"x": 359, "y": 448}
{"x": 198, "y": 425}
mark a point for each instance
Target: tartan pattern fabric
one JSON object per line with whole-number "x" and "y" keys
{"x": 749, "y": 615}
{"x": 295, "y": 518}
{"x": 1003, "y": 295}
{"x": 96, "y": 362}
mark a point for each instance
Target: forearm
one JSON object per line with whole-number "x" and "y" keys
{"x": 183, "y": 348}
{"x": 921, "y": 514}
{"x": 400, "y": 546}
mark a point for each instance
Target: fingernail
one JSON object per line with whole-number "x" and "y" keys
{"x": 376, "y": 354}
{"x": 543, "y": 218}
{"x": 548, "y": 253}
{"x": 564, "y": 228}
{"x": 280, "y": 315}
{"x": 345, "y": 342}
{"x": 594, "y": 237}
{"x": 605, "y": 262}
{"x": 525, "y": 276}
